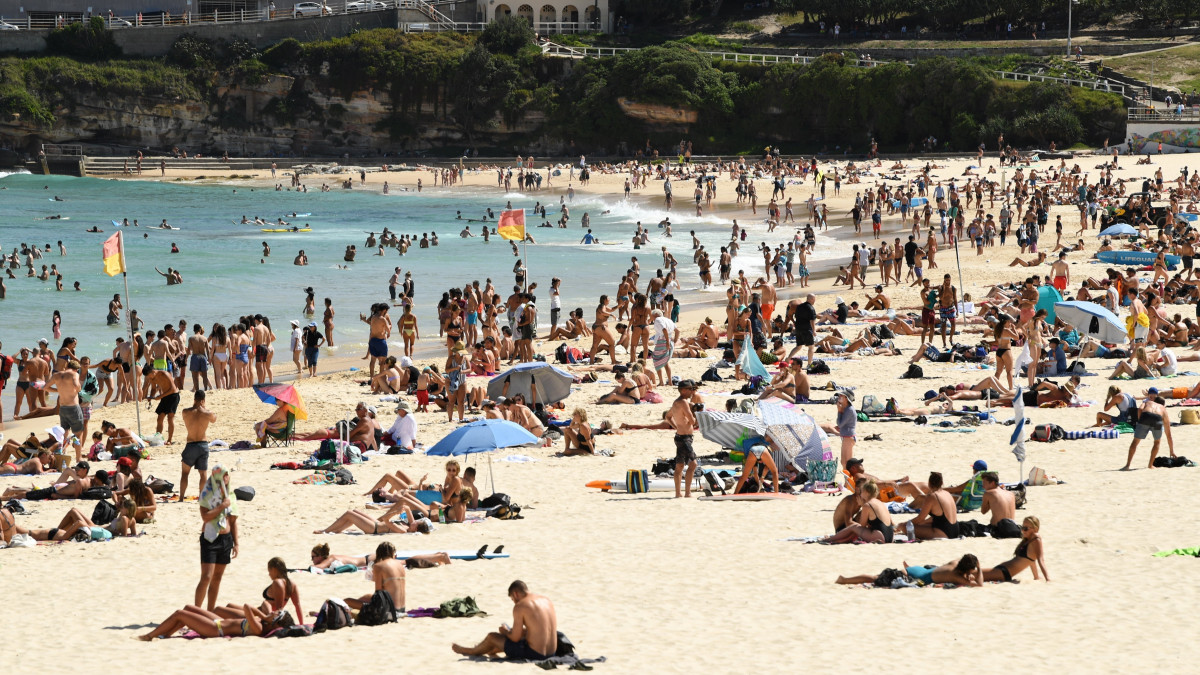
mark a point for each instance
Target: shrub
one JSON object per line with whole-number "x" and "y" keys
{"x": 92, "y": 41}
{"x": 507, "y": 35}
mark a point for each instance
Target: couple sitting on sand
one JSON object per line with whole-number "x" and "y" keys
{"x": 966, "y": 571}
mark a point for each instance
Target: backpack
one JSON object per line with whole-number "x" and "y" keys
{"x": 711, "y": 375}
{"x": 334, "y": 615}
{"x": 379, "y": 610}
{"x": 104, "y": 513}
{"x": 343, "y": 477}
{"x": 914, "y": 372}
{"x": 497, "y": 499}
{"x": 1047, "y": 433}
{"x": 885, "y": 332}
{"x": 818, "y": 367}
{"x": 98, "y": 492}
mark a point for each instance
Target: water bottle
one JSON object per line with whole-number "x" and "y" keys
{"x": 441, "y": 515}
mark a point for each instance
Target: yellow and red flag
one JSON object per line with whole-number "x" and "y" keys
{"x": 114, "y": 255}
{"x": 512, "y": 225}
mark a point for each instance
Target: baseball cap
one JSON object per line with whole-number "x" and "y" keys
{"x": 43, "y": 341}
{"x": 312, "y": 324}
{"x": 853, "y": 461}
{"x": 125, "y": 461}
{"x": 979, "y": 465}
{"x": 1152, "y": 391}
{"x": 83, "y": 465}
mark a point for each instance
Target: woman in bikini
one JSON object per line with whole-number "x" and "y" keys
{"x": 577, "y": 438}
{"x": 1036, "y": 342}
{"x": 874, "y": 524}
{"x": 626, "y": 392}
{"x": 270, "y": 349}
{"x": 1005, "y": 334}
{"x": 408, "y": 329}
{"x": 938, "y": 518}
{"x": 1029, "y": 554}
{"x": 388, "y": 379}
{"x": 458, "y": 365}
{"x": 384, "y": 524}
{"x": 600, "y": 333}
{"x": 963, "y": 572}
{"x": 639, "y": 328}
{"x": 211, "y": 625}
{"x": 218, "y": 352}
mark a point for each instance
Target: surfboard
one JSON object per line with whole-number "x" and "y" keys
{"x": 303, "y": 229}
{"x": 751, "y": 497}
{"x": 454, "y": 554}
{"x": 1134, "y": 258}
{"x": 654, "y": 485}
{"x": 115, "y": 223}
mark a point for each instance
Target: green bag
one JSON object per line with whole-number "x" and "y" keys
{"x": 459, "y": 607}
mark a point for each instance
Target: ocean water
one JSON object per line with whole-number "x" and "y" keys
{"x": 225, "y": 275}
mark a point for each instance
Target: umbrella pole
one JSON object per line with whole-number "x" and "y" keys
{"x": 491, "y": 474}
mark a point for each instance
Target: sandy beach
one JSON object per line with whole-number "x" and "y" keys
{"x": 652, "y": 583}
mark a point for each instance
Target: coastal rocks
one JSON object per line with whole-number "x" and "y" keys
{"x": 658, "y": 114}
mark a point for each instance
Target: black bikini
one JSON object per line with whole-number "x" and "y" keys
{"x": 1021, "y": 552}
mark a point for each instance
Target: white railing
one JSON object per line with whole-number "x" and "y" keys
{"x": 1098, "y": 84}
{"x": 1172, "y": 114}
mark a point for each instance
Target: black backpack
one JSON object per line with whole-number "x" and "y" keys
{"x": 818, "y": 367}
{"x": 711, "y": 375}
{"x": 333, "y": 616}
{"x": 497, "y": 499}
{"x": 560, "y": 354}
{"x": 97, "y": 492}
{"x": 104, "y": 513}
{"x": 914, "y": 372}
{"x": 380, "y": 610}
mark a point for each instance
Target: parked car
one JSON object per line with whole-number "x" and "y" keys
{"x": 118, "y": 22}
{"x": 311, "y": 9}
{"x": 365, "y": 5}
{"x": 4, "y": 25}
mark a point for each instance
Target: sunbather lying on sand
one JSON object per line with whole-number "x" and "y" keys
{"x": 963, "y": 572}
{"x": 323, "y": 559}
{"x": 381, "y": 525}
{"x": 76, "y": 523}
{"x": 210, "y": 625}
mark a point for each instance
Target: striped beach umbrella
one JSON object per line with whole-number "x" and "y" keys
{"x": 799, "y": 438}
{"x": 728, "y": 429}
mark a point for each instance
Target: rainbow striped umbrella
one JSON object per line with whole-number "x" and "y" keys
{"x": 282, "y": 393}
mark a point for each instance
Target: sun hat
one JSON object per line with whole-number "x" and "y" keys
{"x": 401, "y": 406}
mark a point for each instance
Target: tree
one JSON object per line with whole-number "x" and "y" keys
{"x": 507, "y": 35}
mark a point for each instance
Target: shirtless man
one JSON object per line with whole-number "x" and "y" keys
{"x": 30, "y": 380}
{"x": 879, "y": 301}
{"x": 948, "y": 307}
{"x": 197, "y": 346}
{"x": 195, "y": 454}
{"x": 381, "y": 330}
{"x": 1060, "y": 273}
{"x": 534, "y": 635}
{"x": 848, "y": 508}
{"x": 168, "y": 400}
{"x": 767, "y": 297}
{"x": 70, "y": 414}
{"x": 260, "y": 341}
{"x": 683, "y": 420}
{"x": 1002, "y": 505}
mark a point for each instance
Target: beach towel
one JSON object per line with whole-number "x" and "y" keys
{"x": 211, "y": 496}
{"x": 1106, "y": 434}
{"x": 1193, "y": 551}
{"x": 663, "y": 349}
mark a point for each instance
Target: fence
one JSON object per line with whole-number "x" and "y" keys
{"x": 1173, "y": 114}
{"x": 1098, "y": 84}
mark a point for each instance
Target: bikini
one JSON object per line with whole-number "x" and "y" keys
{"x": 1021, "y": 552}
{"x": 221, "y": 632}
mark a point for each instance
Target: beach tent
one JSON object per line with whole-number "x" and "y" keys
{"x": 552, "y": 385}
{"x": 1048, "y": 296}
{"x": 1092, "y": 320}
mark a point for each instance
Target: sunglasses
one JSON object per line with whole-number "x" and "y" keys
{"x": 1025, "y": 528}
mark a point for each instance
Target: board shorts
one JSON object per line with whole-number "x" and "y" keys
{"x": 160, "y": 364}
{"x": 927, "y": 317}
{"x": 527, "y": 332}
{"x": 195, "y": 455}
{"x": 805, "y": 338}
{"x": 198, "y": 363}
{"x": 683, "y": 449}
{"x": 1142, "y": 430}
{"x": 167, "y": 405}
{"x": 1060, "y": 283}
{"x": 218, "y": 552}
{"x": 260, "y": 353}
{"x": 423, "y": 397}
{"x": 377, "y": 347}
{"x": 767, "y": 312}
{"x": 71, "y": 417}
{"x": 521, "y": 651}
{"x": 922, "y": 573}
{"x": 948, "y": 312}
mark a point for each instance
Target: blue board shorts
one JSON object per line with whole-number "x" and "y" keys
{"x": 922, "y": 573}
{"x": 377, "y": 347}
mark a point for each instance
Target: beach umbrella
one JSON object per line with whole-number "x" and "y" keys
{"x": 749, "y": 361}
{"x": 1017, "y": 441}
{"x": 1092, "y": 320}
{"x": 1190, "y": 217}
{"x": 728, "y": 429}
{"x": 1048, "y": 296}
{"x": 800, "y": 439}
{"x": 282, "y": 393}
{"x": 552, "y": 384}
{"x": 482, "y": 436}
{"x": 1118, "y": 230}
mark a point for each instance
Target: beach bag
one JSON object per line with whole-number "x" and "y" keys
{"x": 97, "y": 492}
{"x": 334, "y": 615}
{"x": 1037, "y": 476}
{"x": 6, "y": 364}
{"x": 886, "y": 333}
{"x": 886, "y": 577}
{"x": 711, "y": 375}
{"x": 565, "y": 646}
{"x": 822, "y": 471}
{"x": 637, "y": 481}
{"x": 1189, "y": 417}
{"x": 652, "y": 397}
{"x": 560, "y": 353}
{"x": 244, "y": 493}
{"x": 818, "y": 367}
{"x": 1047, "y": 433}
{"x": 497, "y": 499}
{"x": 104, "y": 513}
{"x": 159, "y": 486}
{"x": 871, "y": 405}
{"x": 914, "y": 372}
{"x": 379, "y": 610}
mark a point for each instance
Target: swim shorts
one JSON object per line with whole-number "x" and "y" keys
{"x": 71, "y": 417}
{"x": 218, "y": 552}
{"x": 160, "y": 364}
{"x": 1142, "y": 430}
{"x": 922, "y": 573}
{"x": 1060, "y": 283}
{"x": 377, "y": 347}
{"x": 260, "y": 353}
{"x": 948, "y": 312}
{"x": 683, "y": 449}
{"x": 521, "y": 651}
{"x": 198, "y": 364}
{"x": 167, "y": 405}
{"x": 195, "y": 455}
{"x": 423, "y": 397}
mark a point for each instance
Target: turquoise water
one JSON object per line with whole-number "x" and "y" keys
{"x": 220, "y": 260}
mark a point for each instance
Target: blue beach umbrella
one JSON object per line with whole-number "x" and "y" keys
{"x": 1118, "y": 230}
{"x": 482, "y": 436}
{"x": 1092, "y": 320}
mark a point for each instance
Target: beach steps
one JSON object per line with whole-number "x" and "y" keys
{"x": 119, "y": 166}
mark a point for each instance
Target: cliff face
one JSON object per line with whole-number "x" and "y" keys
{"x": 276, "y": 116}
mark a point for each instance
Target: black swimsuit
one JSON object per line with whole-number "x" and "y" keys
{"x": 940, "y": 522}
{"x": 1021, "y": 552}
{"x": 876, "y": 524}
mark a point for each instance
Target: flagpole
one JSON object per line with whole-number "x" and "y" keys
{"x": 137, "y": 404}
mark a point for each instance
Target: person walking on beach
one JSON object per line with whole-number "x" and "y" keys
{"x": 195, "y": 454}
{"x": 168, "y": 400}
{"x": 683, "y": 420}
{"x": 198, "y": 357}
{"x": 218, "y": 536}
